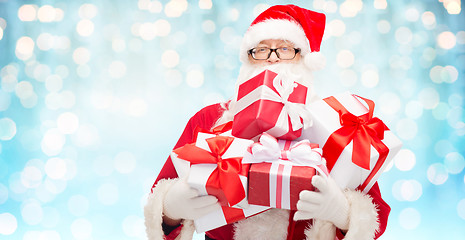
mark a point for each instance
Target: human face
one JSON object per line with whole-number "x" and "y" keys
{"x": 274, "y": 43}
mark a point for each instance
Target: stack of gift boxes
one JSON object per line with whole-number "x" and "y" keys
{"x": 271, "y": 149}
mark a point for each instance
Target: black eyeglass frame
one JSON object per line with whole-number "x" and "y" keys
{"x": 275, "y": 50}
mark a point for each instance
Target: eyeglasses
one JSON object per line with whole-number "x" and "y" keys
{"x": 283, "y": 53}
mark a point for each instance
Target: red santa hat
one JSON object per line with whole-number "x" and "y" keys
{"x": 302, "y": 27}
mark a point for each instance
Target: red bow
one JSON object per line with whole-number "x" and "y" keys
{"x": 365, "y": 131}
{"x": 224, "y": 179}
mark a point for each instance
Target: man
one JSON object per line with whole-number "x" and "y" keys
{"x": 285, "y": 39}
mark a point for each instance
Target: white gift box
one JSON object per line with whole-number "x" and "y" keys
{"x": 198, "y": 174}
{"x": 326, "y": 120}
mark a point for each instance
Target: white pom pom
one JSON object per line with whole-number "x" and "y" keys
{"x": 315, "y": 61}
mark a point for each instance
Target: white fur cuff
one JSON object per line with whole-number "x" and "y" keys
{"x": 153, "y": 212}
{"x": 363, "y": 220}
{"x": 363, "y": 217}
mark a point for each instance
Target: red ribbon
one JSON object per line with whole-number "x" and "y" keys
{"x": 226, "y": 176}
{"x": 365, "y": 131}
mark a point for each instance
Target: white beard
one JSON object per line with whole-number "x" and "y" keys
{"x": 296, "y": 72}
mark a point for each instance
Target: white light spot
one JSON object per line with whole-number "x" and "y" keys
{"x": 53, "y": 142}
{"x": 429, "y": 98}
{"x": 414, "y": 109}
{"x": 460, "y": 209}
{"x": 336, "y": 28}
{"x": 53, "y": 83}
{"x": 440, "y": 111}
{"x": 170, "y": 59}
{"x": 162, "y": 27}
{"x": 125, "y": 162}
{"x": 88, "y": 11}
{"x": 81, "y": 55}
{"x": 7, "y": 129}
{"x": 85, "y": 27}
{"x": 411, "y": 190}
{"x": 409, "y": 218}
{"x": 117, "y": 69}
{"x": 175, "y": 8}
{"x": 9, "y": 83}
{"x": 86, "y": 135}
{"x": 107, "y": 194}
{"x": 412, "y": 14}
{"x": 24, "y": 89}
{"x": 78, "y": 205}
{"x": 118, "y": 45}
{"x": 24, "y": 48}
{"x": 50, "y": 220}
{"x": 405, "y": 160}
{"x": 348, "y": 77}
{"x": 389, "y": 103}
{"x": 403, "y": 35}
{"x": 45, "y": 41}
{"x": 454, "y": 163}
{"x": 27, "y": 12}
{"x": 208, "y": 26}
{"x": 380, "y": 4}
{"x": 83, "y": 71}
{"x": 205, "y": 4}
{"x": 67, "y": 123}
{"x": 370, "y": 78}
{"x": 46, "y": 13}
{"x": 3, "y": 194}
{"x": 8, "y": 223}
{"x": 173, "y": 77}
{"x": 31, "y": 212}
{"x": 81, "y": 229}
{"x": 429, "y": 20}
{"x": 195, "y": 78}
{"x": 147, "y": 31}
{"x": 384, "y": 26}
{"x": 406, "y": 128}
{"x": 437, "y": 174}
{"x": 55, "y": 168}
{"x": 31, "y": 177}
{"x": 446, "y": 40}
{"x": 133, "y": 226}
{"x": 345, "y": 58}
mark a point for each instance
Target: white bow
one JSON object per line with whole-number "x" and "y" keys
{"x": 300, "y": 154}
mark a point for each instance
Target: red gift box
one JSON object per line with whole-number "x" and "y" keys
{"x": 267, "y": 103}
{"x": 286, "y": 169}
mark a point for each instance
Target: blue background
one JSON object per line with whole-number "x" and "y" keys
{"x": 94, "y": 95}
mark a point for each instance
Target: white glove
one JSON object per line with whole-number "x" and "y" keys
{"x": 328, "y": 204}
{"x": 183, "y": 202}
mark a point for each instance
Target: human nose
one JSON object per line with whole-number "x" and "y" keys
{"x": 273, "y": 57}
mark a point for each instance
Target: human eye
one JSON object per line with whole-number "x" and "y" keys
{"x": 261, "y": 49}
{"x": 285, "y": 49}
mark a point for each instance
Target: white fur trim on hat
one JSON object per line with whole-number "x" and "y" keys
{"x": 153, "y": 213}
{"x": 274, "y": 29}
{"x": 363, "y": 220}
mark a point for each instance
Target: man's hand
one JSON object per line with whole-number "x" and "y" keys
{"x": 328, "y": 204}
{"x": 183, "y": 202}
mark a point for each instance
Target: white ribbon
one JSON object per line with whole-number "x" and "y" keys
{"x": 299, "y": 154}
{"x": 295, "y": 111}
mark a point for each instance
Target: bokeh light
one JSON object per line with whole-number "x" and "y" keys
{"x": 93, "y": 96}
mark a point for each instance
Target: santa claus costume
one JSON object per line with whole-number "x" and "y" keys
{"x": 367, "y": 214}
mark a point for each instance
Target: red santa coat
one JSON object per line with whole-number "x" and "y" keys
{"x": 368, "y": 214}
